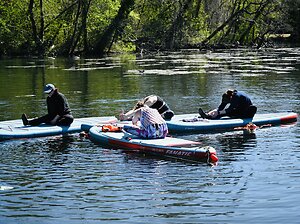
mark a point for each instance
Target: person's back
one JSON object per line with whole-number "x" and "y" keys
{"x": 57, "y": 104}
{"x": 152, "y": 125}
{"x": 160, "y": 105}
{"x": 240, "y": 106}
{"x": 150, "y": 116}
{"x": 154, "y": 102}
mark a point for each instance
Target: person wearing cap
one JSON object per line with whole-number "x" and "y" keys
{"x": 240, "y": 106}
{"x": 59, "y": 112}
{"x": 154, "y": 102}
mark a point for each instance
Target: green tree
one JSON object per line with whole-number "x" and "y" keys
{"x": 292, "y": 17}
{"x": 14, "y": 26}
{"x": 97, "y": 27}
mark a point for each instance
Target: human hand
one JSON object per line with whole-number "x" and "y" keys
{"x": 122, "y": 117}
{"x": 213, "y": 113}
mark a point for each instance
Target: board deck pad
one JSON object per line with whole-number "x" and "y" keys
{"x": 14, "y": 129}
{"x": 167, "y": 147}
{"x": 193, "y": 123}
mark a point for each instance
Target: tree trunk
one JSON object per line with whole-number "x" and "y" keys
{"x": 108, "y": 35}
{"x": 37, "y": 36}
{"x": 229, "y": 20}
{"x": 42, "y": 22}
{"x": 197, "y": 9}
{"x": 85, "y": 10}
{"x": 176, "y": 25}
{"x": 73, "y": 41}
{"x": 233, "y": 24}
{"x": 252, "y": 22}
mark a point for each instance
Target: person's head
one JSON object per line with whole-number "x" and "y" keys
{"x": 139, "y": 104}
{"x": 230, "y": 92}
{"x": 227, "y": 96}
{"x": 49, "y": 88}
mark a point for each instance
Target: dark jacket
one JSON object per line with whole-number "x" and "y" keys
{"x": 57, "y": 104}
{"x": 239, "y": 104}
{"x": 159, "y": 105}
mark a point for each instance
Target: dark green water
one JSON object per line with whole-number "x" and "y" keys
{"x": 71, "y": 180}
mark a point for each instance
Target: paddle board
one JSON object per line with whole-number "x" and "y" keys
{"x": 192, "y": 123}
{"x": 167, "y": 147}
{"x": 14, "y": 129}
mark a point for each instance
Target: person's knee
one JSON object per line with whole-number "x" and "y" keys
{"x": 66, "y": 121}
{"x": 168, "y": 115}
{"x": 213, "y": 113}
{"x": 252, "y": 111}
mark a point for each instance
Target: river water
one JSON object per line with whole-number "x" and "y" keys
{"x": 71, "y": 180}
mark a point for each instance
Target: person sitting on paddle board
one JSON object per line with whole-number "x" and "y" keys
{"x": 154, "y": 102}
{"x": 240, "y": 106}
{"x": 151, "y": 124}
{"x": 59, "y": 112}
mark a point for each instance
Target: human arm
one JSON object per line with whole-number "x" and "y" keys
{"x": 126, "y": 116}
{"x": 57, "y": 104}
{"x": 60, "y": 108}
{"x": 235, "y": 103}
{"x": 222, "y": 106}
{"x": 136, "y": 117}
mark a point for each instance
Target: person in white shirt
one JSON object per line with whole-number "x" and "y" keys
{"x": 146, "y": 123}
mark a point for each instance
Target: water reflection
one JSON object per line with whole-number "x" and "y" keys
{"x": 59, "y": 144}
{"x": 52, "y": 150}
{"x": 68, "y": 179}
{"x": 237, "y": 142}
{"x": 96, "y": 86}
{"x": 58, "y": 149}
{"x": 152, "y": 160}
{"x": 230, "y": 145}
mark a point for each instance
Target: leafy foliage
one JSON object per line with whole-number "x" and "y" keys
{"x": 95, "y": 27}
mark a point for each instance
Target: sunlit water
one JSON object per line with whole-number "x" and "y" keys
{"x": 72, "y": 180}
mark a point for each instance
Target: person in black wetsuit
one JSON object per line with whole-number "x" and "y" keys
{"x": 240, "y": 106}
{"x": 59, "y": 112}
{"x": 154, "y": 102}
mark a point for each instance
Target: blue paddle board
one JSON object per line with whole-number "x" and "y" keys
{"x": 14, "y": 129}
{"x": 167, "y": 147}
{"x": 192, "y": 123}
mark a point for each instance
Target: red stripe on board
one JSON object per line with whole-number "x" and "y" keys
{"x": 290, "y": 118}
{"x": 159, "y": 151}
{"x": 188, "y": 143}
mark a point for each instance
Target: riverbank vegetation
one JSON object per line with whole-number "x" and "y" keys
{"x": 96, "y": 27}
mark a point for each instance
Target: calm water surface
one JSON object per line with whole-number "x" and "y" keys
{"x": 71, "y": 180}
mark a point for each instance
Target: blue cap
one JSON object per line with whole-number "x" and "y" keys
{"x": 48, "y": 88}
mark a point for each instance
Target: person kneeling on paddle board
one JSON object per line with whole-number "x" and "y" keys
{"x": 240, "y": 106}
{"x": 154, "y": 102}
{"x": 59, "y": 112}
{"x": 152, "y": 125}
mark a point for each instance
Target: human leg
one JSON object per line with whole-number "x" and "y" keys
{"x": 135, "y": 130}
{"x": 25, "y": 119}
{"x": 66, "y": 120}
{"x": 213, "y": 114}
{"x": 203, "y": 114}
{"x": 37, "y": 121}
{"x": 251, "y": 111}
{"x": 247, "y": 113}
{"x": 163, "y": 131}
